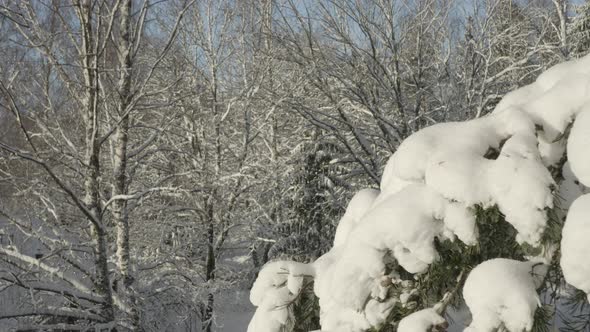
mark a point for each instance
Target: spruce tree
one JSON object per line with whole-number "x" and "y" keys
{"x": 313, "y": 210}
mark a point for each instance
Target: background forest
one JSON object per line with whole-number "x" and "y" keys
{"x": 155, "y": 154}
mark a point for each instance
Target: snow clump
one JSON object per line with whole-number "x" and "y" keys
{"x": 422, "y": 320}
{"x": 575, "y": 248}
{"x": 502, "y": 293}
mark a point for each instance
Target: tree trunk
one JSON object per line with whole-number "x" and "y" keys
{"x": 207, "y": 315}
{"x": 92, "y": 161}
{"x": 120, "y": 186}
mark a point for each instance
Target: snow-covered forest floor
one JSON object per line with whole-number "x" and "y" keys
{"x": 333, "y": 165}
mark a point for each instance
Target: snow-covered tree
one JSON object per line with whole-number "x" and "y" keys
{"x": 311, "y": 204}
{"x": 80, "y": 96}
{"x": 489, "y": 214}
{"x": 579, "y": 31}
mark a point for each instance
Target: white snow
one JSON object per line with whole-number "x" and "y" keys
{"x": 411, "y": 159}
{"x": 551, "y": 151}
{"x": 575, "y": 245}
{"x": 562, "y": 71}
{"x": 460, "y": 221}
{"x": 521, "y": 187}
{"x": 277, "y": 285}
{"x": 420, "y": 321}
{"x": 358, "y": 206}
{"x": 570, "y": 188}
{"x": 501, "y": 293}
{"x": 543, "y": 109}
{"x": 519, "y": 97}
{"x": 578, "y": 147}
{"x": 404, "y": 223}
{"x": 451, "y": 159}
{"x": 517, "y": 181}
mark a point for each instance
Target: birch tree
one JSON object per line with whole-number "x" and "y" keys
{"x": 82, "y": 47}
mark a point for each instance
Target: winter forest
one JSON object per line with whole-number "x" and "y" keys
{"x": 295, "y": 165}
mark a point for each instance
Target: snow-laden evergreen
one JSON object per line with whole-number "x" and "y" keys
{"x": 575, "y": 249}
{"x": 431, "y": 189}
{"x": 278, "y": 284}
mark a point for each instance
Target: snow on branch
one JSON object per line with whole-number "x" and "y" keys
{"x": 278, "y": 285}
{"x": 501, "y": 293}
{"x": 55, "y": 312}
{"x": 28, "y": 261}
{"x": 431, "y": 188}
{"x": 575, "y": 249}
{"x": 76, "y": 287}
